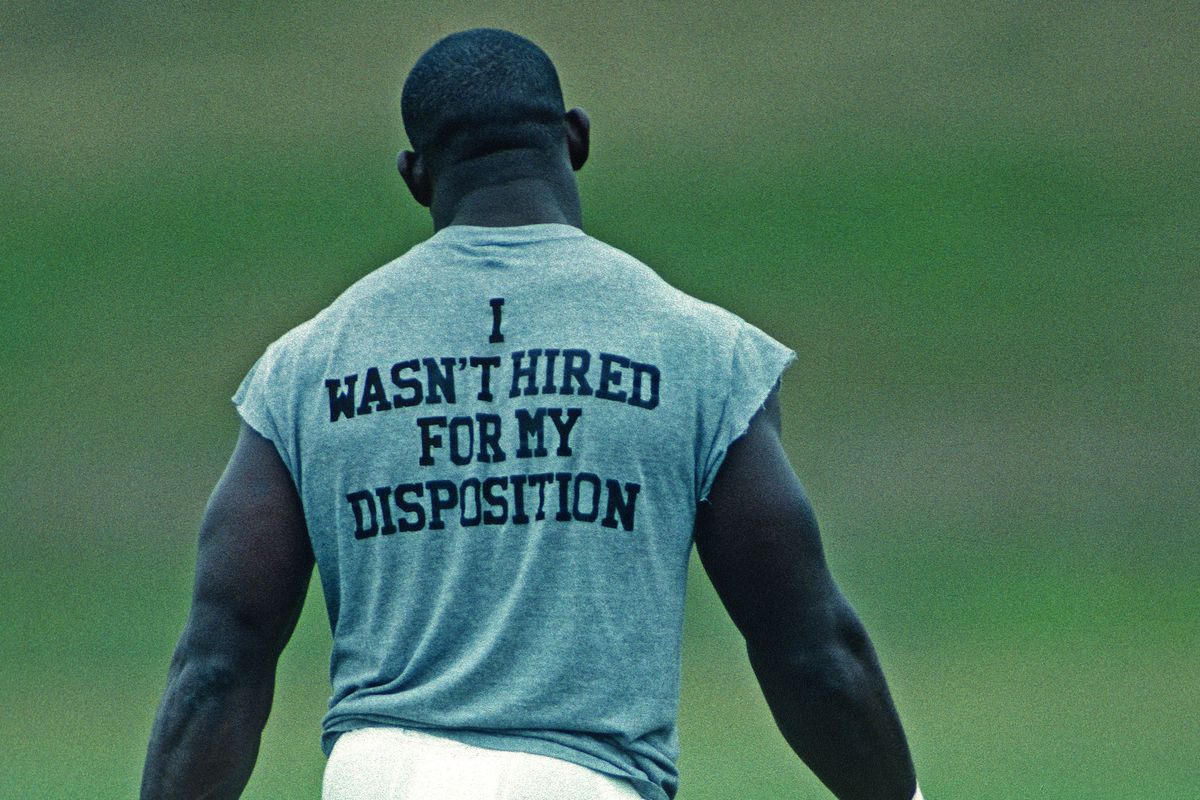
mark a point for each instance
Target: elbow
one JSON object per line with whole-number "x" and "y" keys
{"x": 199, "y": 680}
{"x": 836, "y": 654}
{"x": 214, "y": 674}
{"x": 218, "y": 652}
{"x": 202, "y": 674}
{"x": 832, "y": 670}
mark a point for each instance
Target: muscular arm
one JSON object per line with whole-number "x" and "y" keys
{"x": 252, "y": 573}
{"x": 758, "y": 541}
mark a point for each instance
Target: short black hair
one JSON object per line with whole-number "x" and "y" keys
{"x": 482, "y": 90}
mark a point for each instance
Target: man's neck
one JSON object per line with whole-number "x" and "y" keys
{"x": 523, "y": 202}
{"x": 503, "y": 191}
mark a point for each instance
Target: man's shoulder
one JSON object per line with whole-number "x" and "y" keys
{"x": 356, "y": 299}
{"x": 669, "y": 303}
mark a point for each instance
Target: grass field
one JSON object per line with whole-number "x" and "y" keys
{"x": 980, "y": 229}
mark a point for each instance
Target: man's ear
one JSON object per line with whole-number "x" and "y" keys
{"x": 579, "y": 130}
{"x": 416, "y": 177}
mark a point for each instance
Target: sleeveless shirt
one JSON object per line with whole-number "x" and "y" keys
{"x": 500, "y": 440}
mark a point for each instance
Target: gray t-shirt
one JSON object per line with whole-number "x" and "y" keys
{"x": 500, "y": 440}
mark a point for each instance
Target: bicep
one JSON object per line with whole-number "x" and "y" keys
{"x": 254, "y": 560}
{"x": 758, "y": 540}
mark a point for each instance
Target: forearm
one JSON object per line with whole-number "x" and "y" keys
{"x": 833, "y": 707}
{"x": 205, "y": 738}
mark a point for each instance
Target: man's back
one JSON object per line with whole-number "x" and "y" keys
{"x": 500, "y": 440}
{"x": 495, "y": 449}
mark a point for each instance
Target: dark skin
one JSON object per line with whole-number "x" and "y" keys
{"x": 758, "y": 540}
{"x": 756, "y": 536}
{"x": 513, "y": 187}
{"x": 252, "y": 573}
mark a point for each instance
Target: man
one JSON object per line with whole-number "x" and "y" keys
{"x": 498, "y": 450}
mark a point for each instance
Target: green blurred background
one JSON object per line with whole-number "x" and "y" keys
{"x": 978, "y": 226}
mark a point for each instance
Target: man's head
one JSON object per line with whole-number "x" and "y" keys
{"x": 490, "y": 86}
{"x": 482, "y": 93}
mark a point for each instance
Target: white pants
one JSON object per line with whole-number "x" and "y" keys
{"x": 405, "y": 764}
